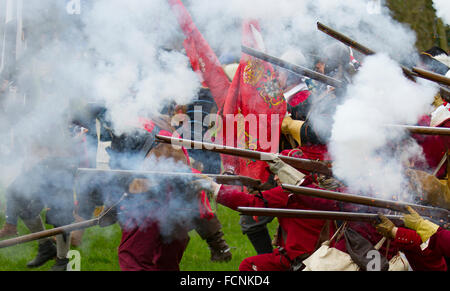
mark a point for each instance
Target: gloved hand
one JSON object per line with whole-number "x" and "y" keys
{"x": 385, "y": 227}
{"x": 286, "y": 173}
{"x": 204, "y": 183}
{"x": 424, "y": 228}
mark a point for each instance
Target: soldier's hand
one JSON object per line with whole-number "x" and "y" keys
{"x": 424, "y": 228}
{"x": 412, "y": 219}
{"x": 204, "y": 183}
{"x": 386, "y": 227}
{"x": 286, "y": 173}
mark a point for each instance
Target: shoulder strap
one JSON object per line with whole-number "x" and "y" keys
{"x": 339, "y": 232}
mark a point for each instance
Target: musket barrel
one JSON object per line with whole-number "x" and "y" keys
{"x": 313, "y": 214}
{"x": 431, "y": 76}
{"x": 345, "y": 39}
{"x": 432, "y": 212}
{"x": 303, "y": 164}
{"x": 293, "y": 68}
{"x": 221, "y": 179}
{"x": 48, "y": 233}
{"x": 427, "y": 130}
{"x": 411, "y": 74}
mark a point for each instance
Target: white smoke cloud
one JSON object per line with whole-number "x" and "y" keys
{"x": 136, "y": 78}
{"x": 115, "y": 52}
{"x": 442, "y": 10}
{"x": 368, "y": 155}
{"x": 288, "y": 23}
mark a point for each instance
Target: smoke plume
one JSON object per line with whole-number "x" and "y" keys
{"x": 442, "y": 10}
{"x": 369, "y": 156}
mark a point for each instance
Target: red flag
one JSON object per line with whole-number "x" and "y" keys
{"x": 253, "y": 110}
{"x": 203, "y": 59}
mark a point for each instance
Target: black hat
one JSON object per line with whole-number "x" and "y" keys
{"x": 436, "y": 60}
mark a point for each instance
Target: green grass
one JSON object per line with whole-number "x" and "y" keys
{"x": 99, "y": 248}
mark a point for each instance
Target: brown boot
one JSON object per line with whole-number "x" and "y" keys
{"x": 8, "y": 230}
{"x": 220, "y": 251}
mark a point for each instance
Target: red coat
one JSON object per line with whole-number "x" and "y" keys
{"x": 440, "y": 243}
{"x": 301, "y": 234}
{"x": 144, "y": 246}
{"x": 409, "y": 243}
{"x": 434, "y": 147}
{"x": 365, "y": 229}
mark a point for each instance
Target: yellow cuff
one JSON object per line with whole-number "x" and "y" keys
{"x": 292, "y": 127}
{"x": 426, "y": 229}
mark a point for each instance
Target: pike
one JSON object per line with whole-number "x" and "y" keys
{"x": 299, "y": 70}
{"x": 302, "y": 164}
{"x": 221, "y": 179}
{"x": 432, "y": 212}
{"x": 314, "y": 214}
{"x": 411, "y": 74}
{"x": 427, "y": 130}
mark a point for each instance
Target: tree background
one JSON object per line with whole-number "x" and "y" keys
{"x": 420, "y": 15}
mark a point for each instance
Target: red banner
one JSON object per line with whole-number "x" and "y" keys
{"x": 203, "y": 59}
{"x": 254, "y": 109}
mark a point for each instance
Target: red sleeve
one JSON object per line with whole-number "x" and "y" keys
{"x": 315, "y": 203}
{"x": 440, "y": 242}
{"x": 231, "y": 197}
{"x": 408, "y": 239}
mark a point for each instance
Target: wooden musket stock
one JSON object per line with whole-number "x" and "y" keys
{"x": 411, "y": 74}
{"x": 302, "y": 164}
{"x": 302, "y": 71}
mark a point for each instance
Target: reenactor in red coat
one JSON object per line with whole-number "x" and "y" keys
{"x": 424, "y": 243}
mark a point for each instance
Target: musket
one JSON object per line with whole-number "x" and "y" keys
{"x": 427, "y": 130}
{"x": 297, "y": 69}
{"x": 366, "y": 51}
{"x": 301, "y": 164}
{"x": 345, "y": 39}
{"x": 49, "y": 232}
{"x": 432, "y": 212}
{"x": 220, "y": 179}
{"x": 314, "y": 214}
{"x": 102, "y": 220}
{"x": 431, "y": 76}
